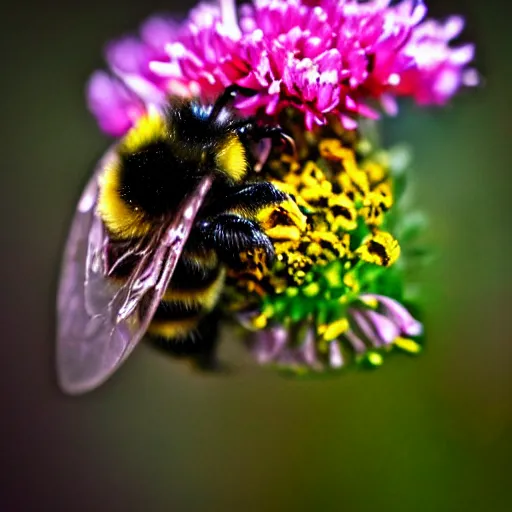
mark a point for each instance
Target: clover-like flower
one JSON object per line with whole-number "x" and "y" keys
{"x": 332, "y": 57}
{"x": 337, "y": 291}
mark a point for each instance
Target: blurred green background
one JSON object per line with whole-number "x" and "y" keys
{"x": 427, "y": 433}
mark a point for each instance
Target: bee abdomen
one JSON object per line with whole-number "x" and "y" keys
{"x": 175, "y": 320}
{"x": 193, "y": 292}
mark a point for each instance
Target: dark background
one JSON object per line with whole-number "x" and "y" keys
{"x": 431, "y": 433}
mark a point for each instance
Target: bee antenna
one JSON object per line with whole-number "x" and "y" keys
{"x": 227, "y": 96}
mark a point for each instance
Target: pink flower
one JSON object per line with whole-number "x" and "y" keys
{"x": 117, "y": 102}
{"x": 327, "y": 57}
{"x": 113, "y": 104}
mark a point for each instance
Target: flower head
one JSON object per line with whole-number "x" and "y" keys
{"x": 336, "y": 292}
{"x": 327, "y": 299}
{"x": 332, "y": 57}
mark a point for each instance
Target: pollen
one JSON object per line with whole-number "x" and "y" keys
{"x": 380, "y": 248}
{"x": 330, "y": 237}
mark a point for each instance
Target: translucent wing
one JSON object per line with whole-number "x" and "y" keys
{"x": 101, "y": 320}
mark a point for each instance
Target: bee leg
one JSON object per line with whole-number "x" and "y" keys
{"x": 248, "y": 130}
{"x": 230, "y": 235}
{"x": 248, "y": 127}
{"x": 227, "y": 96}
{"x": 248, "y": 198}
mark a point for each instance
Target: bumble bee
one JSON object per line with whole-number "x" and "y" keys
{"x": 168, "y": 209}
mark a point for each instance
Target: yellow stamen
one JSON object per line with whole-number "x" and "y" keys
{"x": 371, "y": 302}
{"x": 260, "y": 322}
{"x": 335, "y": 329}
{"x": 408, "y": 345}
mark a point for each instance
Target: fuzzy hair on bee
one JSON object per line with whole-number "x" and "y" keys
{"x": 172, "y": 206}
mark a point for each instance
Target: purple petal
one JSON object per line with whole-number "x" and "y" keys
{"x": 389, "y": 104}
{"x": 453, "y": 27}
{"x": 366, "y": 327}
{"x": 143, "y": 88}
{"x": 308, "y": 348}
{"x": 385, "y": 328}
{"x": 335, "y": 356}
{"x": 398, "y": 314}
{"x": 269, "y": 343}
{"x": 115, "y": 107}
{"x": 463, "y": 54}
{"x": 357, "y": 343}
{"x": 127, "y": 55}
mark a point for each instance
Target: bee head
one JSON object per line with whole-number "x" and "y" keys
{"x": 210, "y": 143}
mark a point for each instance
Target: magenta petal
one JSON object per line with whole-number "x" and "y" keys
{"x": 329, "y": 60}
{"x": 418, "y": 13}
{"x": 248, "y": 103}
{"x": 350, "y": 104}
{"x": 324, "y": 99}
{"x": 453, "y": 27}
{"x": 389, "y": 104}
{"x": 309, "y": 120}
{"x": 366, "y": 111}
{"x": 445, "y": 85}
{"x": 462, "y": 55}
{"x": 348, "y": 123}
{"x": 158, "y": 31}
{"x": 317, "y": 51}
{"x": 125, "y": 54}
{"x": 143, "y": 88}
{"x": 115, "y": 107}
{"x": 272, "y": 105}
{"x": 471, "y": 78}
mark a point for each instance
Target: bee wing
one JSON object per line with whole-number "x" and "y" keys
{"x": 100, "y": 320}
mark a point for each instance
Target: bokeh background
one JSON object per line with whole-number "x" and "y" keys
{"x": 423, "y": 434}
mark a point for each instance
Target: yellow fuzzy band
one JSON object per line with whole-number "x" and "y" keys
{"x": 173, "y": 329}
{"x": 149, "y": 128}
{"x": 122, "y": 221}
{"x": 232, "y": 159}
{"x": 206, "y": 297}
